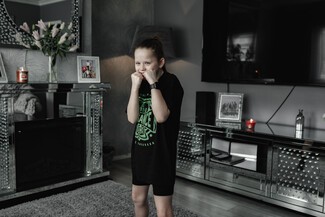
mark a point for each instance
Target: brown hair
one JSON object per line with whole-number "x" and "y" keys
{"x": 155, "y": 44}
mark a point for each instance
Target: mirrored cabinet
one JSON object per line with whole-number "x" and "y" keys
{"x": 50, "y": 134}
{"x": 266, "y": 163}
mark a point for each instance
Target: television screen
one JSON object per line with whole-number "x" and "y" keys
{"x": 264, "y": 41}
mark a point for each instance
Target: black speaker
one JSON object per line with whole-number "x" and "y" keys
{"x": 205, "y": 111}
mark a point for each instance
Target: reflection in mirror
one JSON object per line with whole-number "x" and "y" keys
{"x": 14, "y": 13}
{"x": 242, "y": 28}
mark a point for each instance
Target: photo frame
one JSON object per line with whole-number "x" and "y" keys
{"x": 88, "y": 69}
{"x": 230, "y": 107}
{"x": 3, "y": 74}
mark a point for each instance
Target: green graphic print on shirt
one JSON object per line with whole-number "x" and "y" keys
{"x": 146, "y": 129}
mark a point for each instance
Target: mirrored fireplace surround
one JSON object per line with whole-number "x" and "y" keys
{"x": 47, "y": 108}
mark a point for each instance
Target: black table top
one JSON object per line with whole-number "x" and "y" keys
{"x": 274, "y": 131}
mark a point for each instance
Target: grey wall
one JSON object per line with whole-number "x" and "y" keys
{"x": 57, "y": 11}
{"x": 18, "y": 13}
{"x": 21, "y": 12}
{"x": 113, "y": 27}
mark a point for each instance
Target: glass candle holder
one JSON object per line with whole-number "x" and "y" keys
{"x": 21, "y": 75}
{"x": 250, "y": 124}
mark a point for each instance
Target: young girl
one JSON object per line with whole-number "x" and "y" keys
{"x": 154, "y": 107}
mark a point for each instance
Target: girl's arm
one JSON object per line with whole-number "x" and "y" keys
{"x": 133, "y": 105}
{"x": 159, "y": 106}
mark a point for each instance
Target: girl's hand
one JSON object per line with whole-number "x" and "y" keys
{"x": 136, "y": 78}
{"x": 151, "y": 76}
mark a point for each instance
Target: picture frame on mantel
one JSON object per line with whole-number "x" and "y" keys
{"x": 88, "y": 69}
{"x": 230, "y": 107}
{"x": 3, "y": 74}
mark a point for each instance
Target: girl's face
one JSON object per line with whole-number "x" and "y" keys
{"x": 145, "y": 60}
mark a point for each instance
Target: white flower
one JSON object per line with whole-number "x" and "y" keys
{"x": 70, "y": 26}
{"x": 36, "y": 35}
{"x": 54, "y": 31}
{"x": 52, "y": 39}
{"x": 74, "y": 48}
{"x": 62, "y": 25}
{"x": 20, "y": 41}
{"x": 25, "y": 45}
{"x": 25, "y": 27}
{"x": 38, "y": 44}
{"x": 71, "y": 37}
{"x": 63, "y": 38}
{"x": 41, "y": 25}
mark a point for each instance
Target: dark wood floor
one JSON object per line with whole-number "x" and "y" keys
{"x": 206, "y": 200}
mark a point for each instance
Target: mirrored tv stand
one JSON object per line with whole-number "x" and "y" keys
{"x": 271, "y": 165}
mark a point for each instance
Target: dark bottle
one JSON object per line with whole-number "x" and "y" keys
{"x": 299, "y": 125}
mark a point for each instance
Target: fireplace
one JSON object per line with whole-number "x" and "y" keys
{"x": 49, "y": 151}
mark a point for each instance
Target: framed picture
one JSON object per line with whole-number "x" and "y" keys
{"x": 230, "y": 107}
{"x": 3, "y": 75}
{"x": 88, "y": 69}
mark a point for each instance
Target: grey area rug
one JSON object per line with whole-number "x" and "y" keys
{"x": 106, "y": 198}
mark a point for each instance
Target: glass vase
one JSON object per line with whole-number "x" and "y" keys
{"x": 52, "y": 70}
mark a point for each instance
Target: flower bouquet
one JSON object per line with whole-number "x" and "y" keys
{"x": 52, "y": 39}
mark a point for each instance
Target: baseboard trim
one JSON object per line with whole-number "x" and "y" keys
{"x": 121, "y": 157}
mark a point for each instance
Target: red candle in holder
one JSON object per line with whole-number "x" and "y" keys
{"x": 250, "y": 124}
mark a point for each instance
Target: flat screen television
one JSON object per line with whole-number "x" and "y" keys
{"x": 264, "y": 41}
